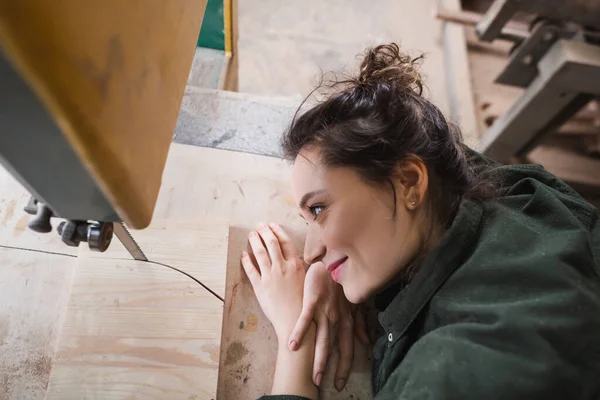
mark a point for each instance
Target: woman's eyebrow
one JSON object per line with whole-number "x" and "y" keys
{"x": 308, "y": 196}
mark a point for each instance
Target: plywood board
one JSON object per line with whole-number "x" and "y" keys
{"x": 34, "y": 289}
{"x": 241, "y": 189}
{"x": 192, "y": 246}
{"x": 458, "y": 77}
{"x": 139, "y": 329}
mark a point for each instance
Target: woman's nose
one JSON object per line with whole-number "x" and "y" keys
{"x": 314, "y": 249}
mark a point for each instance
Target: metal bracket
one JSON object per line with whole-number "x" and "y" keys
{"x": 567, "y": 80}
{"x": 522, "y": 67}
{"x": 499, "y": 13}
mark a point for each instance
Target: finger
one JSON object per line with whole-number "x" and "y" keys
{"x": 321, "y": 349}
{"x": 272, "y": 243}
{"x": 304, "y": 321}
{"x": 287, "y": 247}
{"x": 260, "y": 253}
{"x": 250, "y": 269}
{"x": 346, "y": 345}
{"x": 360, "y": 326}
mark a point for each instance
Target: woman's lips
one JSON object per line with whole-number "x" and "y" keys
{"x": 335, "y": 268}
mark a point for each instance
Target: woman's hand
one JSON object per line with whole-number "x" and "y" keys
{"x": 325, "y": 303}
{"x": 279, "y": 284}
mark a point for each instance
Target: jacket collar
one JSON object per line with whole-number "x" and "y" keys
{"x": 452, "y": 250}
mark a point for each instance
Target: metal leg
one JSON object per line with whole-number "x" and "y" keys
{"x": 495, "y": 18}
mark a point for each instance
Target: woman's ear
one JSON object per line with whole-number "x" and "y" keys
{"x": 413, "y": 179}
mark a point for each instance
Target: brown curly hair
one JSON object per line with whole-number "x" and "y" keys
{"x": 378, "y": 118}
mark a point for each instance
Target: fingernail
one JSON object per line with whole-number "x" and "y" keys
{"x": 261, "y": 225}
{"x": 339, "y": 385}
{"x": 244, "y": 253}
{"x": 293, "y": 345}
{"x": 252, "y": 234}
{"x": 319, "y": 377}
{"x": 273, "y": 225}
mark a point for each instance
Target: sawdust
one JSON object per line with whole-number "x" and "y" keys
{"x": 31, "y": 376}
{"x": 242, "y": 373}
{"x": 235, "y": 352}
{"x": 10, "y": 210}
{"x": 25, "y": 363}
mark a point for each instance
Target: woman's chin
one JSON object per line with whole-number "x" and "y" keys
{"x": 353, "y": 296}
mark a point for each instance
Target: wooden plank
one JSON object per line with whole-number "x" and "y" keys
{"x": 112, "y": 73}
{"x": 34, "y": 289}
{"x": 247, "y": 331}
{"x": 230, "y": 79}
{"x": 139, "y": 329}
{"x": 244, "y": 189}
{"x": 575, "y": 169}
{"x": 458, "y": 78}
{"x": 174, "y": 242}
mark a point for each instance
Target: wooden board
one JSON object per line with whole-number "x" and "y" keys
{"x": 249, "y": 345}
{"x": 241, "y": 189}
{"x": 139, "y": 329}
{"x": 458, "y": 78}
{"x": 34, "y": 289}
{"x": 112, "y": 74}
{"x": 194, "y": 246}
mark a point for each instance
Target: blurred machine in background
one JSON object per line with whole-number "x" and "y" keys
{"x": 548, "y": 51}
{"x": 90, "y": 96}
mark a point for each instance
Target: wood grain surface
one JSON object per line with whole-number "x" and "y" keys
{"x": 194, "y": 246}
{"x": 198, "y": 183}
{"x": 34, "y": 289}
{"x": 112, "y": 74}
{"x": 140, "y": 330}
{"x": 245, "y": 189}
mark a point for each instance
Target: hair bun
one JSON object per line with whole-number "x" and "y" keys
{"x": 387, "y": 64}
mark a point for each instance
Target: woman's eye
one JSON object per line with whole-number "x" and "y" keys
{"x": 316, "y": 210}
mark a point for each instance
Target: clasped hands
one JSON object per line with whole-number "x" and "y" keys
{"x": 293, "y": 297}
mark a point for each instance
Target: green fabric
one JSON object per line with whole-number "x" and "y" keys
{"x": 507, "y": 306}
{"x": 212, "y": 32}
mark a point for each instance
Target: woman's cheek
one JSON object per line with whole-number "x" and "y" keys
{"x": 337, "y": 232}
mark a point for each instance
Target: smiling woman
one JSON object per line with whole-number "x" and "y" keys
{"x": 486, "y": 276}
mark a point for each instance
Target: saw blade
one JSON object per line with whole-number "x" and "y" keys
{"x": 130, "y": 244}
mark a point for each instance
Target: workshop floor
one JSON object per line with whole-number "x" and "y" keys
{"x": 284, "y": 45}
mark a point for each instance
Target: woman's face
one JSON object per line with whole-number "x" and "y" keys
{"x": 351, "y": 225}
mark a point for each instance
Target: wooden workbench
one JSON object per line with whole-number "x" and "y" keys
{"x": 36, "y": 271}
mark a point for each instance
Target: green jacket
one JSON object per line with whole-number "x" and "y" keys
{"x": 507, "y": 306}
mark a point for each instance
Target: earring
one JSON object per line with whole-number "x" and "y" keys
{"x": 414, "y": 203}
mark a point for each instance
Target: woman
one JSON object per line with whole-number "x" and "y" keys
{"x": 486, "y": 276}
